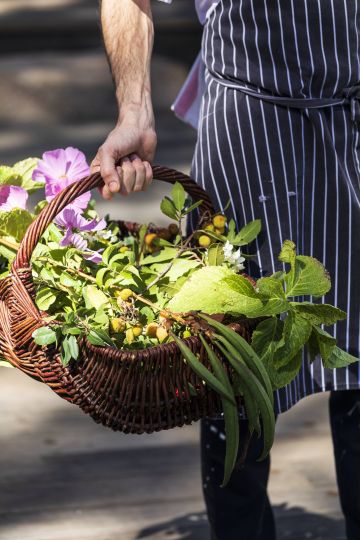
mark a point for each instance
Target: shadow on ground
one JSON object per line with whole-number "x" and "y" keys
{"x": 292, "y": 524}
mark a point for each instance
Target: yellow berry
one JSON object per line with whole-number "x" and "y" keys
{"x": 137, "y": 330}
{"x": 151, "y": 330}
{"x": 186, "y": 334}
{"x": 117, "y": 325}
{"x": 130, "y": 336}
{"x": 125, "y": 294}
{"x": 161, "y": 333}
{"x": 173, "y": 229}
{"x": 219, "y": 221}
{"x": 220, "y": 230}
{"x": 149, "y": 239}
{"x": 210, "y": 227}
{"x": 124, "y": 249}
{"x": 204, "y": 241}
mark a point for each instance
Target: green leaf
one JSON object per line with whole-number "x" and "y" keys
{"x": 241, "y": 285}
{"x": 100, "y": 275}
{"x": 166, "y": 254}
{"x": 270, "y": 298}
{"x": 73, "y": 347}
{"x": 94, "y": 297}
{"x": 179, "y": 195}
{"x": 192, "y": 207}
{"x": 45, "y": 297}
{"x": 7, "y": 253}
{"x": 15, "y": 223}
{"x": 215, "y": 254}
{"x": 319, "y": 314}
{"x": 168, "y": 208}
{"x": 323, "y": 342}
{"x": 248, "y": 233}
{"x": 230, "y": 410}
{"x": 99, "y": 338}
{"x": 25, "y": 170}
{"x": 288, "y": 252}
{"x": 8, "y": 177}
{"x": 179, "y": 268}
{"x": 283, "y": 375}
{"x": 68, "y": 281}
{"x": 266, "y": 339}
{"x": 202, "y": 372}
{"x": 309, "y": 278}
{"x": 206, "y": 290}
{"x": 44, "y": 336}
{"x": 339, "y": 359}
{"x": 296, "y": 333}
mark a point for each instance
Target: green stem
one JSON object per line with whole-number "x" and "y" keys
{"x": 70, "y": 270}
{"x": 14, "y": 246}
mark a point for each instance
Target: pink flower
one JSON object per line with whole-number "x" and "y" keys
{"x": 74, "y": 223}
{"x": 12, "y": 197}
{"x": 60, "y": 168}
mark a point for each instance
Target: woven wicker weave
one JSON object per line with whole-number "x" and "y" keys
{"x": 129, "y": 391}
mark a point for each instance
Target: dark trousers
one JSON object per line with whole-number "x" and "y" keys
{"x": 242, "y": 510}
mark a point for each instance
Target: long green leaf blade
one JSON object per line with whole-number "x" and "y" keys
{"x": 231, "y": 415}
{"x": 259, "y": 394}
{"x": 203, "y": 372}
{"x": 252, "y": 360}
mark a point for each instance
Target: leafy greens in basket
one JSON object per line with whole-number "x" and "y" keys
{"x": 138, "y": 287}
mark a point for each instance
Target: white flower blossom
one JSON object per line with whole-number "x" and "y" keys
{"x": 234, "y": 258}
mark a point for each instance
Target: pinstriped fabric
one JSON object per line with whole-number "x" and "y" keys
{"x": 297, "y": 170}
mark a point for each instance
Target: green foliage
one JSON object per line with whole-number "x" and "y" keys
{"x": 154, "y": 287}
{"x": 15, "y": 223}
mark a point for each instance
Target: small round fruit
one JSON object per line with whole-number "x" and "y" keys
{"x": 125, "y": 294}
{"x": 161, "y": 333}
{"x": 117, "y": 325}
{"x": 186, "y": 334}
{"x": 137, "y": 330}
{"x": 130, "y": 336}
{"x": 219, "y": 221}
{"x": 165, "y": 234}
{"x": 210, "y": 227}
{"x": 173, "y": 229}
{"x": 204, "y": 241}
{"x": 149, "y": 239}
{"x": 124, "y": 249}
{"x": 220, "y": 230}
{"x": 151, "y": 330}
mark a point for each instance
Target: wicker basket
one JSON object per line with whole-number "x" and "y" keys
{"x": 129, "y": 391}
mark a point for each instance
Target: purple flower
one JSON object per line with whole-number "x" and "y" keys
{"x": 74, "y": 223}
{"x": 60, "y": 168}
{"x": 12, "y": 197}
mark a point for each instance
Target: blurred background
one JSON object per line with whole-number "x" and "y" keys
{"x": 62, "y": 477}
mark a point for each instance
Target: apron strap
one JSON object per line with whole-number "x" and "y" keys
{"x": 351, "y": 97}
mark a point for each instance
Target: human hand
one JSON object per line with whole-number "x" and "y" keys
{"x": 123, "y": 160}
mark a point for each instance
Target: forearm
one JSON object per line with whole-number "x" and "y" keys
{"x": 128, "y": 35}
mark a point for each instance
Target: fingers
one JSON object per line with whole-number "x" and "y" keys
{"x": 131, "y": 175}
{"x": 111, "y": 175}
{"x": 148, "y": 175}
{"x": 137, "y": 174}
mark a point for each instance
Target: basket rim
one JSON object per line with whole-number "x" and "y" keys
{"x": 134, "y": 355}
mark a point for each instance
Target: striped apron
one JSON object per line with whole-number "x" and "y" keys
{"x": 296, "y": 167}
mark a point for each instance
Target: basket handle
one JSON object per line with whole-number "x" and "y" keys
{"x": 70, "y": 193}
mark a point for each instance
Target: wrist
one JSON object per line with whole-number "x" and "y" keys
{"x": 137, "y": 114}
